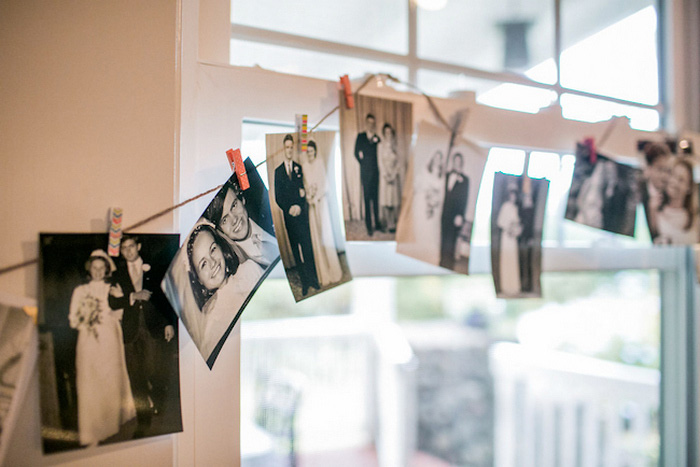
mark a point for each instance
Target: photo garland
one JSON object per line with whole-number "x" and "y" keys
{"x": 425, "y": 202}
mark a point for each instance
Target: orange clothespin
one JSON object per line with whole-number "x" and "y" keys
{"x": 592, "y": 154}
{"x": 236, "y": 161}
{"x": 302, "y": 121}
{"x": 115, "y": 232}
{"x": 345, "y": 84}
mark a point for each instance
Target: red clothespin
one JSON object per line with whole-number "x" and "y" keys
{"x": 345, "y": 84}
{"x": 590, "y": 144}
{"x": 115, "y": 232}
{"x": 236, "y": 161}
{"x": 302, "y": 121}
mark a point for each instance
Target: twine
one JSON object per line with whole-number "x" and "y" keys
{"x": 162, "y": 213}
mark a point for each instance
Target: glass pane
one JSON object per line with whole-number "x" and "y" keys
{"x": 494, "y": 36}
{"x": 366, "y": 23}
{"x": 306, "y": 62}
{"x": 610, "y": 49}
{"x": 587, "y": 109}
{"x": 540, "y": 378}
{"x": 502, "y": 95}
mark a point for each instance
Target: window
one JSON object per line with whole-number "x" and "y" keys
{"x": 603, "y": 60}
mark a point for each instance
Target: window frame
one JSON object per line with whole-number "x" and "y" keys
{"x": 414, "y": 63}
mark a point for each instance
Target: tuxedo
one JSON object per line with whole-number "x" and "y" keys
{"x": 290, "y": 191}
{"x": 454, "y": 205}
{"x": 143, "y": 328}
{"x": 369, "y": 176}
{"x": 526, "y": 245}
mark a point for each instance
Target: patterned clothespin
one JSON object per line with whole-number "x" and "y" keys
{"x": 115, "y": 232}
{"x": 302, "y": 121}
{"x": 236, "y": 161}
{"x": 592, "y": 154}
{"x": 345, "y": 84}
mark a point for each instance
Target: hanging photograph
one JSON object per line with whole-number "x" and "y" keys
{"x": 669, "y": 196}
{"x": 436, "y": 223}
{"x": 109, "y": 361}
{"x": 306, "y": 213}
{"x": 517, "y": 218}
{"x": 223, "y": 260}
{"x": 375, "y": 139}
{"x": 604, "y": 194}
{"x": 17, "y": 358}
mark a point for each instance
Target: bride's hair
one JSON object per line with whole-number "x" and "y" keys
{"x": 92, "y": 259}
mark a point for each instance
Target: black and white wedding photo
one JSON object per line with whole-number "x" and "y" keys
{"x": 306, "y": 213}
{"x": 109, "y": 353}
{"x": 376, "y": 140}
{"x": 604, "y": 194}
{"x": 436, "y": 225}
{"x": 517, "y": 219}
{"x": 223, "y": 260}
{"x": 669, "y": 196}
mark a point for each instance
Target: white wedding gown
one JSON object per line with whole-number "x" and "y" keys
{"x": 326, "y": 260}
{"x": 105, "y": 401}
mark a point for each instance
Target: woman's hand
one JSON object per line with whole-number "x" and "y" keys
{"x": 116, "y": 291}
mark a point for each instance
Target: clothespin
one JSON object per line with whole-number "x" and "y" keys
{"x": 115, "y": 232}
{"x": 236, "y": 161}
{"x": 302, "y": 121}
{"x": 590, "y": 144}
{"x": 345, "y": 84}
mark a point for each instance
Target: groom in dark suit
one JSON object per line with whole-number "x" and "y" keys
{"x": 366, "y": 154}
{"x": 290, "y": 196}
{"x": 148, "y": 325}
{"x": 453, "y": 211}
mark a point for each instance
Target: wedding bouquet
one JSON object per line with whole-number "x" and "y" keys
{"x": 89, "y": 314}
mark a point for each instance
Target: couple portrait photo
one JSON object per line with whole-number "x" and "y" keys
{"x": 305, "y": 212}
{"x": 109, "y": 368}
{"x": 436, "y": 223}
{"x": 226, "y": 256}
{"x": 669, "y": 196}
{"x": 517, "y": 219}
{"x": 604, "y": 194}
{"x": 376, "y": 140}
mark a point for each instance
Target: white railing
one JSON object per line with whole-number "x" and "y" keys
{"x": 553, "y": 408}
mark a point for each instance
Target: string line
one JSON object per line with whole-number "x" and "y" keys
{"x": 162, "y": 213}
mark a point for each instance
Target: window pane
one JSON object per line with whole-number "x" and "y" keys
{"x": 306, "y": 62}
{"x": 587, "y": 109}
{"x": 540, "y": 378}
{"x": 502, "y": 95}
{"x": 494, "y": 36}
{"x": 366, "y": 23}
{"x": 610, "y": 49}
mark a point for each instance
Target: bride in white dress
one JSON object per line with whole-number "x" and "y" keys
{"x": 105, "y": 401}
{"x": 325, "y": 254}
{"x": 508, "y": 221}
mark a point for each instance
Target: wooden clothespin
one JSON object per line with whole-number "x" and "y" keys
{"x": 236, "y": 161}
{"x": 302, "y": 122}
{"x": 347, "y": 88}
{"x": 115, "y": 232}
{"x": 592, "y": 153}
